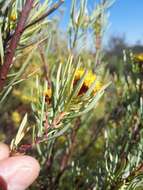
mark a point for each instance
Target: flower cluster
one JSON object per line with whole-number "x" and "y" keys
{"x": 138, "y": 58}
{"x": 88, "y": 81}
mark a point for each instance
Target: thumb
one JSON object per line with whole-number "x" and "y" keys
{"x": 19, "y": 172}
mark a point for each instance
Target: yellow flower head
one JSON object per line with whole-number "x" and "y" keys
{"x": 89, "y": 80}
{"x": 48, "y": 95}
{"x": 13, "y": 17}
{"x": 138, "y": 57}
{"x": 16, "y": 117}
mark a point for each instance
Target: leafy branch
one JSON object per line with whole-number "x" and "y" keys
{"x": 15, "y": 38}
{"x": 8, "y": 59}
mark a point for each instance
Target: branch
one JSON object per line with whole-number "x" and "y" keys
{"x": 50, "y": 11}
{"x": 95, "y": 134}
{"x": 8, "y": 59}
{"x": 65, "y": 162}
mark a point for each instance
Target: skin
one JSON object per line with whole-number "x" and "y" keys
{"x": 17, "y": 172}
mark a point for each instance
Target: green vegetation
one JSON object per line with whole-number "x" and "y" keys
{"x": 78, "y": 110}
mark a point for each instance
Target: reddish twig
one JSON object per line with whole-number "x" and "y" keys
{"x": 65, "y": 162}
{"x": 8, "y": 59}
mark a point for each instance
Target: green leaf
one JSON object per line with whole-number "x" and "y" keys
{"x": 76, "y": 90}
{"x": 5, "y": 94}
{"x": 21, "y": 132}
{"x": 1, "y": 47}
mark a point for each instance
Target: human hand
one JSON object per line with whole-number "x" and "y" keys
{"x": 17, "y": 172}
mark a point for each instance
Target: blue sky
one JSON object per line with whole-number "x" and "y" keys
{"x": 126, "y": 17}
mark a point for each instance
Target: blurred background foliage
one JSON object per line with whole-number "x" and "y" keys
{"x": 100, "y": 149}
